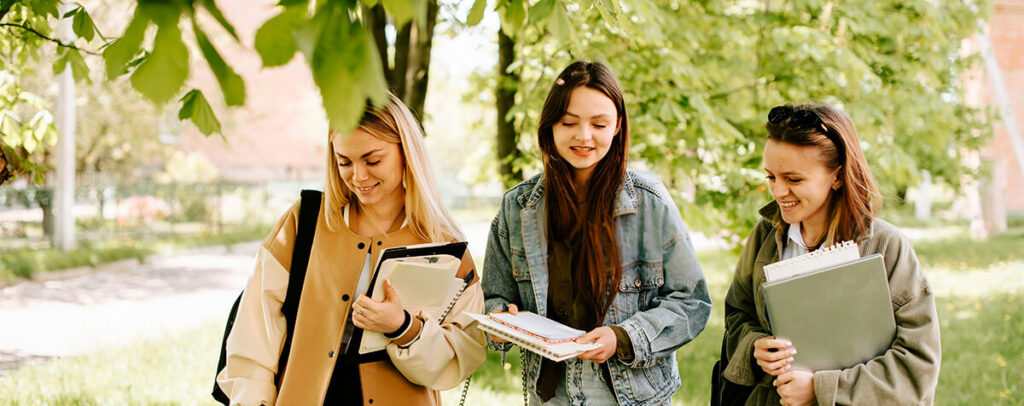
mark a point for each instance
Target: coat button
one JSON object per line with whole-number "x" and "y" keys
{"x": 330, "y": 354}
{"x": 515, "y": 271}
{"x": 344, "y": 298}
{"x": 361, "y": 245}
{"x": 638, "y": 283}
{"x": 379, "y": 243}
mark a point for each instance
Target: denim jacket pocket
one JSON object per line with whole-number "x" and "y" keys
{"x": 639, "y": 284}
{"x": 521, "y": 274}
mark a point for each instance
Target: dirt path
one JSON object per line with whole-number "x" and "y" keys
{"x": 119, "y": 303}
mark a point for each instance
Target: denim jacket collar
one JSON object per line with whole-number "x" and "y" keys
{"x": 625, "y": 203}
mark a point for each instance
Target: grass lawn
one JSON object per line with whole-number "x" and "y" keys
{"x": 978, "y": 285}
{"x": 23, "y": 263}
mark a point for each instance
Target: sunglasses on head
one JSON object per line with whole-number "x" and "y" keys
{"x": 803, "y": 119}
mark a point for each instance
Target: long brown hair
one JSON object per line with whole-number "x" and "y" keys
{"x": 598, "y": 271}
{"x": 851, "y": 207}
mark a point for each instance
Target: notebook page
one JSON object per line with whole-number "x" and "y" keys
{"x": 836, "y": 254}
{"x": 428, "y": 285}
{"x": 538, "y": 325}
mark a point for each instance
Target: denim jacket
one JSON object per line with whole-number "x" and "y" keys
{"x": 662, "y": 302}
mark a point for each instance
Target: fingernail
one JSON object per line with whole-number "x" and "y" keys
{"x": 793, "y": 352}
{"x": 789, "y": 344}
{"x": 789, "y": 360}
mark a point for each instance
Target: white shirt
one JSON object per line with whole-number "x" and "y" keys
{"x": 795, "y": 245}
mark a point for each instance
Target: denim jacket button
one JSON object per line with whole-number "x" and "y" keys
{"x": 638, "y": 283}
{"x": 515, "y": 271}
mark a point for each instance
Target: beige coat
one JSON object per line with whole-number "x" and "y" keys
{"x": 906, "y": 374}
{"x": 444, "y": 353}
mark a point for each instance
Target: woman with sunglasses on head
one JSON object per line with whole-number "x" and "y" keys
{"x": 824, "y": 194}
{"x": 600, "y": 248}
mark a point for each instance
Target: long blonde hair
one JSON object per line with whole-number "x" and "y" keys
{"x": 426, "y": 214}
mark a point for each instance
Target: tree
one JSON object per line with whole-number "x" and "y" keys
{"x": 338, "y": 38}
{"x": 700, "y": 76}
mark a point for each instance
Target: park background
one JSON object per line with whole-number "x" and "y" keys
{"x": 196, "y": 123}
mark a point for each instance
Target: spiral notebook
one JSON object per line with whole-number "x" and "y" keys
{"x": 535, "y": 333}
{"x": 833, "y": 305}
{"x": 423, "y": 282}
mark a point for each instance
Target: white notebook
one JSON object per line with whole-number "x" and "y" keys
{"x": 559, "y": 349}
{"x": 823, "y": 258}
{"x": 426, "y": 283}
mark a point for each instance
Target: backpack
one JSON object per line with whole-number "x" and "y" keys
{"x": 309, "y": 212}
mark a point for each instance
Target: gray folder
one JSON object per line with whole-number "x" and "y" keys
{"x": 835, "y": 317}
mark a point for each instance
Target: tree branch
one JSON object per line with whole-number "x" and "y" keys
{"x": 54, "y": 40}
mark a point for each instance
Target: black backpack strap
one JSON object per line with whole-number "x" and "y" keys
{"x": 309, "y": 212}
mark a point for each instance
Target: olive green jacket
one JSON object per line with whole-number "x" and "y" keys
{"x": 906, "y": 374}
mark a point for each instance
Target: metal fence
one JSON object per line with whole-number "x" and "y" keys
{"x": 106, "y": 210}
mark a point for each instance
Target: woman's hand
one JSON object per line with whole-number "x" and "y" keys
{"x": 511, "y": 309}
{"x": 796, "y": 388}
{"x": 602, "y": 335}
{"x": 773, "y": 355}
{"x": 384, "y": 316}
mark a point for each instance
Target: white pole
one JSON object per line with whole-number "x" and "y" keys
{"x": 64, "y": 189}
{"x": 923, "y": 202}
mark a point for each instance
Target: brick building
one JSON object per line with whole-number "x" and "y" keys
{"x": 1006, "y": 33}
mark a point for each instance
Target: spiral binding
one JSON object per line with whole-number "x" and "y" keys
{"x": 810, "y": 260}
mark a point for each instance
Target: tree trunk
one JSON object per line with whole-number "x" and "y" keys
{"x": 377, "y": 21}
{"x": 506, "y": 98}
{"x": 5, "y": 171}
{"x": 44, "y": 198}
{"x": 399, "y": 71}
{"x": 419, "y": 63}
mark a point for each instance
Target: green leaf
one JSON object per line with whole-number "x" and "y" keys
{"x": 211, "y": 7}
{"x": 401, "y": 10}
{"x": 476, "y": 14}
{"x": 370, "y": 3}
{"x": 195, "y": 108}
{"x": 70, "y": 56}
{"x": 541, "y": 10}
{"x": 231, "y": 84}
{"x": 83, "y": 25}
{"x": 66, "y": 15}
{"x": 45, "y": 7}
{"x": 347, "y": 70}
{"x": 512, "y": 15}
{"x": 121, "y": 51}
{"x": 275, "y": 40}
{"x": 559, "y": 24}
{"x": 164, "y": 71}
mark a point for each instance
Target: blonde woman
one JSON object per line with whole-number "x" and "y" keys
{"x": 380, "y": 192}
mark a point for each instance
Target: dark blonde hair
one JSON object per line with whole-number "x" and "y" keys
{"x": 852, "y": 206}
{"x": 428, "y": 217}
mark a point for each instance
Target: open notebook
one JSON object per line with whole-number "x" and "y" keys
{"x": 833, "y": 305}
{"x": 538, "y": 334}
{"x": 424, "y": 282}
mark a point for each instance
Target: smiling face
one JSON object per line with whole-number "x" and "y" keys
{"x": 585, "y": 133}
{"x": 800, "y": 182}
{"x": 370, "y": 167}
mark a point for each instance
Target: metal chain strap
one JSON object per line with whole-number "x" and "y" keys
{"x": 522, "y": 367}
{"x": 465, "y": 390}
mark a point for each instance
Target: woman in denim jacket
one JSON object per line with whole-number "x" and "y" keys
{"x": 610, "y": 247}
